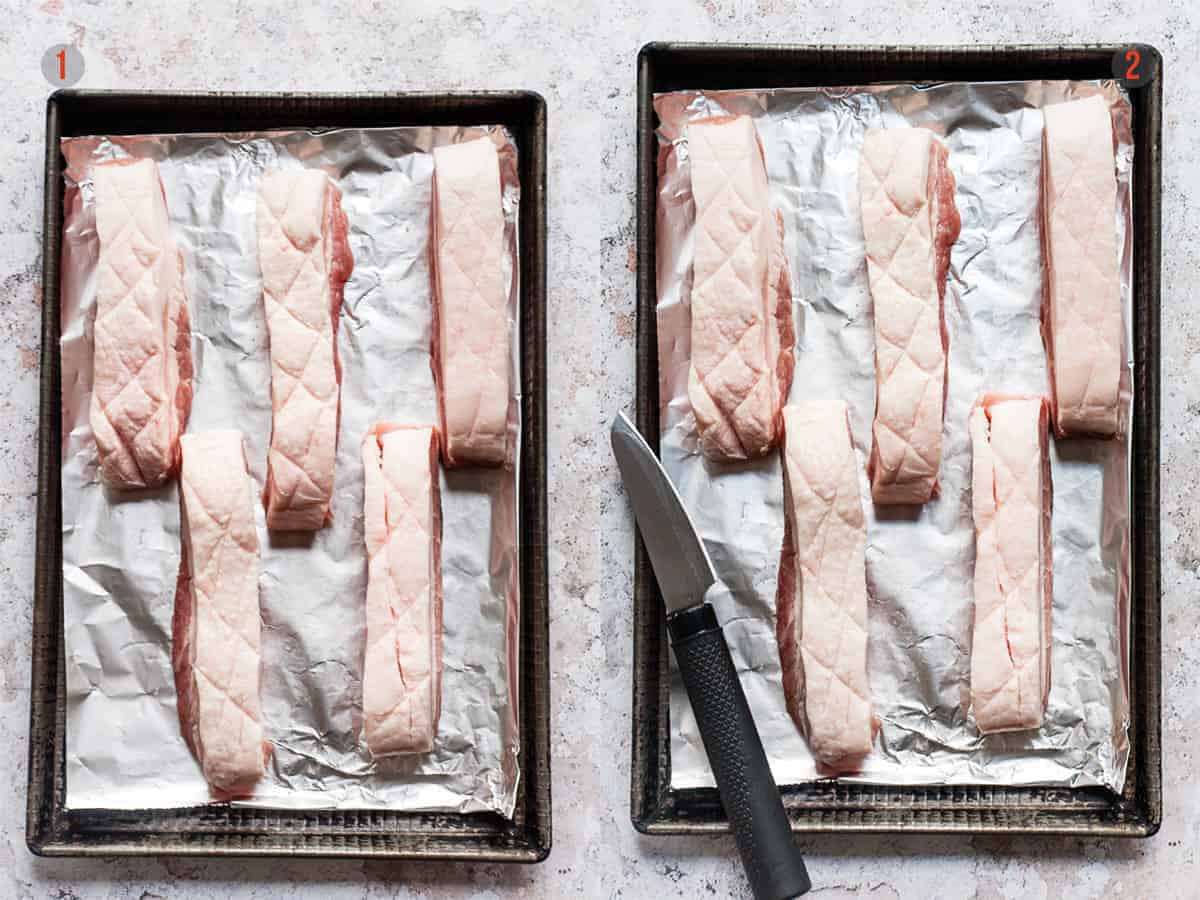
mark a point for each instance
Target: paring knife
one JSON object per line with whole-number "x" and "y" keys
{"x": 685, "y": 576}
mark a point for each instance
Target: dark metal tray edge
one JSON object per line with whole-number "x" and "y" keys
{"x": 828, "y": 807}
{"x": 223, "y": 831}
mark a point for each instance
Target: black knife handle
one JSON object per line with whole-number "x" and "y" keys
{"x": 773, "y": 864}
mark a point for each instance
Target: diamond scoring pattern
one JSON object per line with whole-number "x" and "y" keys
{"x": 141, "y": 372}
{"x": 1009, "y": 659}
{"x": 909, "y": 221}
{"x": 218, "y": 623}
{"x": 402, "y": 524}
{"x": 305, "y": 260}
{"x": 1084, "y": 303}
{"x": 474, "y": 346}
{"x": 740, "y": 300}
{"x": 823, "y": 615}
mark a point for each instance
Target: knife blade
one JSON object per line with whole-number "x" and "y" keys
{"x": 680, "y": 561}
{"x": 686, "y": 579}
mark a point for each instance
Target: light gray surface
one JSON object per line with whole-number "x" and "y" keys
{"x": 581, "y": 57}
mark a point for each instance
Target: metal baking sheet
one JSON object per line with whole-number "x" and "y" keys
{"x": 121, "y": 551}
{"x": 661, "y": 807}
{"x": 919, "y": 567}
{"x": 384, "y": 831}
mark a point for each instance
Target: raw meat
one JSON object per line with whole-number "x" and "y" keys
{"x": 142, "y": 369}
{"x": 1011, "y": 500}
{"x": 403, "y": 529}
{"x": 1081, "y": 312}
{"x": 217, "y": 624}
{"x": 742, "y": 334}
{"x": 822, "y": 601}
{"x": 472, "y": 347}
{"x": 910, "y": 223}
{"x": 304, "y": 253}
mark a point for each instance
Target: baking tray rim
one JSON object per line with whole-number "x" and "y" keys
{"x": 51, "y": 830}
{"x": 827, "y": 807}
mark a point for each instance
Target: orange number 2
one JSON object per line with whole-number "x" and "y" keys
{"x": 62, "y": 64}
{"x": 1134, "y": 59}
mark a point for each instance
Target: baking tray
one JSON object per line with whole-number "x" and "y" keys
{"x": 51, "y": 829}
{"x": 830, "y": 806}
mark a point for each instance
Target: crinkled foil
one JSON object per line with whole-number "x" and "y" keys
{"x": 919, "y": 573}
{"x": 121, "y": 554}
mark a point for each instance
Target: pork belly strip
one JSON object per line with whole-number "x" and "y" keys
{"x": 1081, "y": 312}
{"x": 821, "y": 619}
{"x": 472, "y": 345}
{"x": 742, "y": 331}
{"x": 142, "y": 364}
{"x": 217, "y": 624}
{"x": 910, "y": 223}
{"x": 403, "y": 529}
{"x": 1011, "y": 500}
{"x": 304, "y": 253}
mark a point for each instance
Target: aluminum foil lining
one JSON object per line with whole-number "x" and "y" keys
{"x": 121, "y": 554}
{"x": 919, "y": 573}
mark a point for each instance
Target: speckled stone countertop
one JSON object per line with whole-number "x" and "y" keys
{"x": 581, "y": 57}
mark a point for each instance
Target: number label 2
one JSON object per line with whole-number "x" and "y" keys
{"x": 1134, "y": 58}
{"x": 1135, "y": 66}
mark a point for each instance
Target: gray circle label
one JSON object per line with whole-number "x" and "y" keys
{"x": 62, "y": 65}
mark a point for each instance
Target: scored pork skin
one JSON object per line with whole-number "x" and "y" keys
{"x": 910, "y": 223}
{"x": 304, "y": 254}
{"x": 1081, "y": 311}
{"x": 402, "y": 522}
{"x": 742, "y": 353}
{"x": 472, "y": 344}
{"x": 217, "y": 625}
{"x": 142, "y": 364}
{"x": 821, "y": 605}
{"x": 1011, "y": 498}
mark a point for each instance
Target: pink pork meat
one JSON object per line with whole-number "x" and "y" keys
{"x": 910, "y": 223}
{"x": 472, "y": 345}
{"x": 1081, "y": 311}
{"x": 142, "y": 368}
{"x": 1011, "y": 500}
{"x": 217, "y": 624}
{"x": 742, "y": 332}
{"x": 403, "y": 529}
{"x": 822, "y": 601}
{"x": 305, "y": 257}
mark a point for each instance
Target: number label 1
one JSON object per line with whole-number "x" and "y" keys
{"x": 62, "y": 65}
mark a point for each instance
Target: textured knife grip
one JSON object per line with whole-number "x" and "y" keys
{"x": 764, "y": 836}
